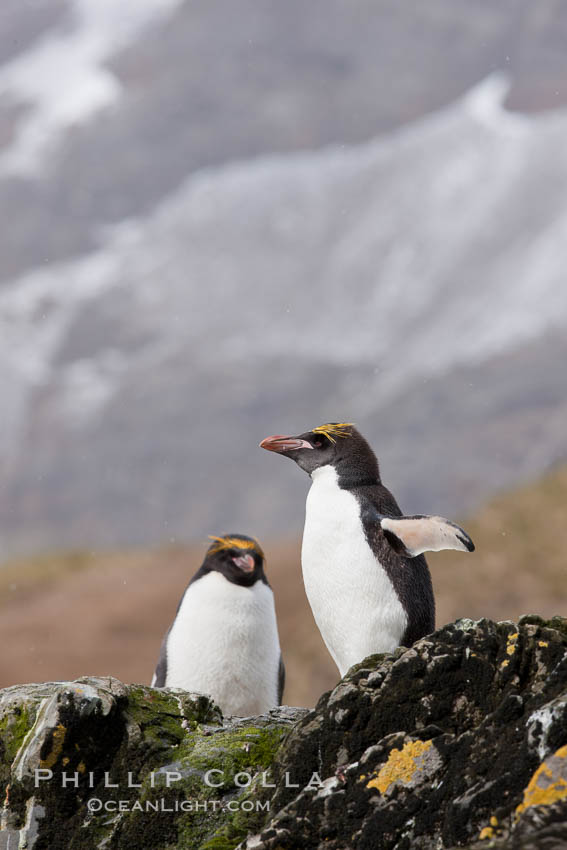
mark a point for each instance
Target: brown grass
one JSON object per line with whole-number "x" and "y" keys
{"x": 77, "y": 614}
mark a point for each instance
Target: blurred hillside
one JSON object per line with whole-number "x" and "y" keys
{"x": 105, "y": 614}
{"x": 218, "y": 226}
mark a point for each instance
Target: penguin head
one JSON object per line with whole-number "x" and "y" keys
{"x": 238, "y": 557}
{"x": 336, "y": 444}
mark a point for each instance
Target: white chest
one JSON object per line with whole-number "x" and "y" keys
{"x": 353, "y": 600}
{"x": 224, "y": 642}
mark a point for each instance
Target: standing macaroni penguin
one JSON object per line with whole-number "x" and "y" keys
{"x": 365, "y": 577}
{"x": 224, "y": 639}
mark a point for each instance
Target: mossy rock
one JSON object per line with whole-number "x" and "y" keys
{"x": 458, "y": 741}
{"x": 95, "y": 763}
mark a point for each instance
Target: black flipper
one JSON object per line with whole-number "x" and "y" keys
{"x": 160, "y": 676}
{"x": 281, "y": 680}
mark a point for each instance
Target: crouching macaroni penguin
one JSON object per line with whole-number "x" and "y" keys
{"x": 365, "y": 577}
{"x": 224, "y": 638}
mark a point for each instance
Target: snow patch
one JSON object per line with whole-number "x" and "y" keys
{"x": 63, "y": 76}
{"x": 485, "y": 102}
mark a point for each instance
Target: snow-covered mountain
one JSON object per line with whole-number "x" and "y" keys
{"x": 106, "y": 107}
{"x": 275, "y": 294}
{"x": 413, "y": 283}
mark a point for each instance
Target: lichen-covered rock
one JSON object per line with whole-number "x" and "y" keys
{"x": 98, "y": 764}
{"x": 459, "y": 741}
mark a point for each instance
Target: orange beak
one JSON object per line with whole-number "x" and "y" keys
{"x": 245, "y": 562}
{"x": 280, "y": 444}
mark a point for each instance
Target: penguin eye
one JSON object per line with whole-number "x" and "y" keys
{"x": 319, "y": 441}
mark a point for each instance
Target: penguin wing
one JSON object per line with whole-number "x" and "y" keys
{"x": 281, "y": 680}
{"x": 412, "y": 535}
{"x": 160, "y": 676}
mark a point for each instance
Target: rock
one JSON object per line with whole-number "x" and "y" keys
{"x": 73, "y": 753}
{"x": 459, "y": 741}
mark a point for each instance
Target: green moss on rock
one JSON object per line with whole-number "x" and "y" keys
{"x": 247, "y": 749}
{"x": 13, "y": 729}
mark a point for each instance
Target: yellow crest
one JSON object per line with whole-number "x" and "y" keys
{"x": 334, "y": 429}
{"x": 234, "y": 543}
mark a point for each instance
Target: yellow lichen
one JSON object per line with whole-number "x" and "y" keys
{"x": 489, "y": 831}
{"x": 505, "y": 663}
{"x": 547, "y": 785}
{"x": 402, "y": 765}
{"x": 511, "y": 644}
{"x": 543, "y": 643}
{"x": 58, "y": 741}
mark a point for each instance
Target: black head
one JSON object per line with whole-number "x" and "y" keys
{"x": 337, "y": 444}
{"x": 238, "y": 557}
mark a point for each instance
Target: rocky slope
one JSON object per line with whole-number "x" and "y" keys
{"x": 460, "y": 741}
